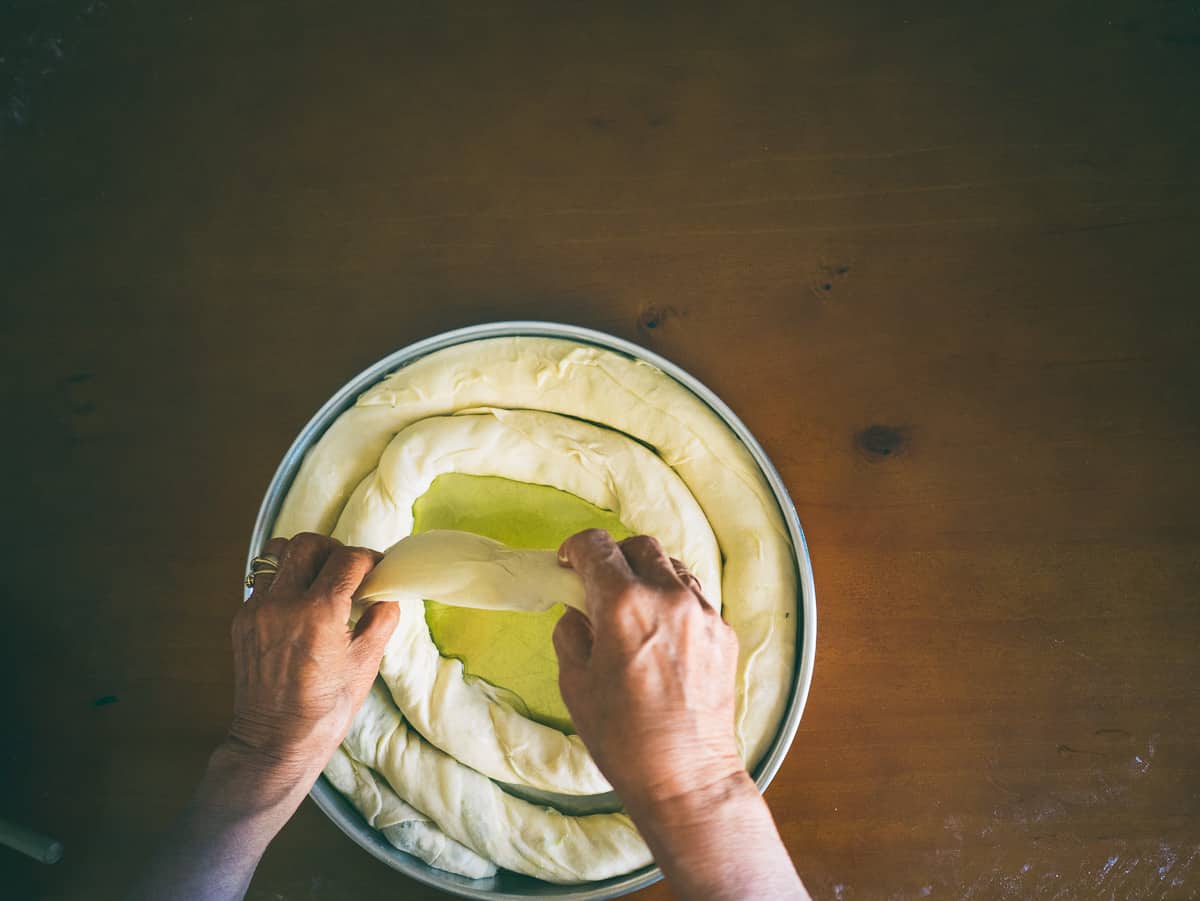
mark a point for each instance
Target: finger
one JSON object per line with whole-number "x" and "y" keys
{"x": 302, "y": 559}
{"x": 595, "y": 556}
{"x": 650, "y": 562}
{"x": 690, "y": 581}
{"x": 685, "y": 575}
{"x": 344, "y": 570}
{"x": 371, "y": 634}
{"x": 573, "y": 640}
{"x": 263, "y": 580}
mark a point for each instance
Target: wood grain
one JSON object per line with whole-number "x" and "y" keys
{"x": 942, "y": 260}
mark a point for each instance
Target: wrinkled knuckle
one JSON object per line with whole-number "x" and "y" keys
{"x": 575, "y": 545}
{"x": 326, "y": 540}
{"x": 593, "y": 542}
{"x": 307, "y": 542}
{"x": 360, "y": 557}
{"x": 342, "y": 559}
{"x": 342, "y": 573}
{"x": 582, "y": 542}
{"x": 641, "y": 543}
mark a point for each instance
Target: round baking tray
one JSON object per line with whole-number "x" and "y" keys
{"x": 506, "y": 885}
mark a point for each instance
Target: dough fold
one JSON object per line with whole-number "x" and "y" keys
{"x": 467, "y": 570}
{"x": 402, "y": 825}
{"x": 473, "y": 810}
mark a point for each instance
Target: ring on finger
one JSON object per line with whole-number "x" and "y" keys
{"x": 688, "y": 579}
{"x": 263, "y": 564}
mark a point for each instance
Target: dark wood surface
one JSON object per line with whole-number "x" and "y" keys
{"x": 944, "y": 263}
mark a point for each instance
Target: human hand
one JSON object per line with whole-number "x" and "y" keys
{"x": 649, "y": 677}
{"x": 300, "y": 672}
{"x": 649, "y": 674}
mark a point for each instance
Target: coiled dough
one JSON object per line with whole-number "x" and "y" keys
{"x": 477, "y": 724}
{"x": 582, "y": 382}
{"x": 402, "y": 824}
{"x": 473, "y": 810}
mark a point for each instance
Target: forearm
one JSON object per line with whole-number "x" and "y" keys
{"x": 720, "y": 843}
{"x": 211, "y": 852}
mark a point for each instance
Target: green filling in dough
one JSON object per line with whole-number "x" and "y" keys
{"x": 514, "y": 651}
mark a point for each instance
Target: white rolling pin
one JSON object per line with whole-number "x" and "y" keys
{"x": 41, "y": 848}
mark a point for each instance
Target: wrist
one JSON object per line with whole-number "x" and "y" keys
{"x": 721, "y": 792}
{"x": 680, "y": 781}
{"x": 218, "y": 839}
{"x": 718, "y": 840}
{"x": 240, "y": 784}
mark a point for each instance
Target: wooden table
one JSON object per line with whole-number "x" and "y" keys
{"x": 944, "y": 264}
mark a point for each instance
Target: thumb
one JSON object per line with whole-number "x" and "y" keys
{"x": 573, "y": 640}
{"x": 371, "y": 633}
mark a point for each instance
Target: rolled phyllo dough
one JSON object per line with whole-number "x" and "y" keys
{"x": 619, "y": 434}
{"x": 473, "y": 810}
{"x": 402, "y": 825}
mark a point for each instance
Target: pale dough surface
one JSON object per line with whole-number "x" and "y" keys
{"x": 463, "y": 569}
{"x": 473, "y": 810}
{"x": 402, "y": 825}
{"x": 334, "y": 488}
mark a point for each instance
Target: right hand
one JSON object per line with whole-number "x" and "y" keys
{"x": 649, "y": 675}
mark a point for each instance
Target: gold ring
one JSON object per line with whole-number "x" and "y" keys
{"x": 685, "y": 576}
{"x": 263, "y": 563}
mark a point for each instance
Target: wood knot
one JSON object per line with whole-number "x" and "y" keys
{"x": 653, "y": 317}
{"x": 878, "y": 442}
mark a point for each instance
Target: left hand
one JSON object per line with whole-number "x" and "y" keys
{"x": 300, "y": 672}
